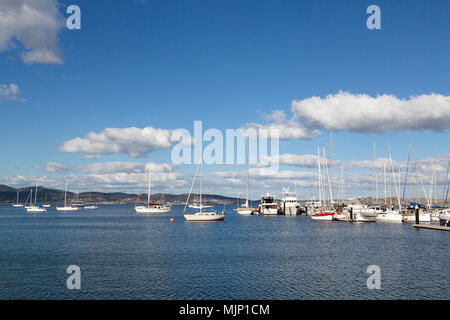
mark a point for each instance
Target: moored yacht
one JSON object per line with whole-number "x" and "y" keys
{"x": 389, "y": 216}
{"x": 34, "y": 208}
{"x": 151, "y": 207}
{"x": 202, "y": 216}
{"x": 67, "y": 207}
{"x": 289, "y": 204}
{"x": 268, "y": 206}
{"x": 17, "y": 204}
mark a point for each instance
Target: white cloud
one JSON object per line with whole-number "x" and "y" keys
{"x": 9, "y": 92}
{"x": 363, "y": 113}
{"x": 360, "y": 113}
{"x": 135, "y": 142}
{"x": 108, "y": 167}
{"x": 35, "y": 24}
{"x": 89, "y": 156}
{"x": 287, "y": 129}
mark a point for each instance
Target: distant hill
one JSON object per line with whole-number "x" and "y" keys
{"x": 9, "y": 194}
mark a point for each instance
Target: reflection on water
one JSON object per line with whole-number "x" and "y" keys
{"x": 124, "y": 255}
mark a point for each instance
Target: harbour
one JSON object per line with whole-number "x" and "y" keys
{"x": 126, "y": 255}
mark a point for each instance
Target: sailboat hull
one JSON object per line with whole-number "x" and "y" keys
{"x": 152, "y": 210}
{"x": 204, "y": 216}
{"x": 68, "y": 208}
{"x": 423, "y": 217}
{"x": 245, "y": 211}
{"x": 36, "y": 210}
{"x": 389, "y": 217}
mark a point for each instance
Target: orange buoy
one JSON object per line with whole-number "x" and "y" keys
{"x": 172, "y": 220}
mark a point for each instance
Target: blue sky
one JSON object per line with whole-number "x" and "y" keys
{"x": 165, "y": 64}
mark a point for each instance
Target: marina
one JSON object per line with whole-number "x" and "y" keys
{"x": 125, "y": 255}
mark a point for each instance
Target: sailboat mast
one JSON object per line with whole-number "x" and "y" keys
{"x": 201, "y": 182}
{"x": 148, "y": 191}
{"x": 406, "y": 174}
{"x": 385, "y": 185}
{"x": 35, "y": 194}
{"x": 374, "y": 173}
{"x": 320, "y": 177}
{"x": 65, "y": 193}
{"x": 246, "y": 165}
{"x": 446, "y": 180}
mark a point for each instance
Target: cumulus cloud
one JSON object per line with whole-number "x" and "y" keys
{"x": 363, "y": 113}
{"x": 135, "y": 142}
{"x": 89, "y": 156}
{"x": 360, "y": 113}
{"x": 35, "y": 24}
{"x": 108, "y": 167}
{"x": 286, "y": 128}
{"x": 9, "y": 92}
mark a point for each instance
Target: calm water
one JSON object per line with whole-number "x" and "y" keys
{"x": 123, "y": 255}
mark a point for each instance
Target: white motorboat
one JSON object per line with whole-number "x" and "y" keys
{"x": 389, "y": 216}
{"x": 68, "y": 207}
{"x": 36, "y": 209}
{"x": 90, "y": 207}
{"x": 151, "y": 207}
{"x": 268, "y": 206}
{"x": 289, "y": 204}
{"x": 363, "y": 213}
{"x": 202, "y": 216}
{"x": 444, "y": 219}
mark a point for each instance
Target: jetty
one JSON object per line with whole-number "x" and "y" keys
{"x": 431, "y": 227}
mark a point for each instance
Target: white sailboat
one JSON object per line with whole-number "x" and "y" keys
{"x": 151, "y": 207}
{"x": 35, "y": 208}
{"x": 67, "y": 207}
{"x": 202, "y": 216}
{"x": 17, "y": 204}
{"x": 90, "y": 206}
{"x": 245, "y": 209}
{"x": 322, "y": 213}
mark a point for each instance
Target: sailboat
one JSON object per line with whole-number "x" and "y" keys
{"x": 46, "y": 205}
{"x": 322, "y": 213}
{"x": 90, "y": 206}
{"x": 245, "y": 208}
{"x": 30, "y": 196}
{"x": 202, "y": 215}
{"x": 17, "y": 204}
{"x": 67, "y": 207}
{"x": 151, "y": 207}
{"x": 35, "y": 208}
